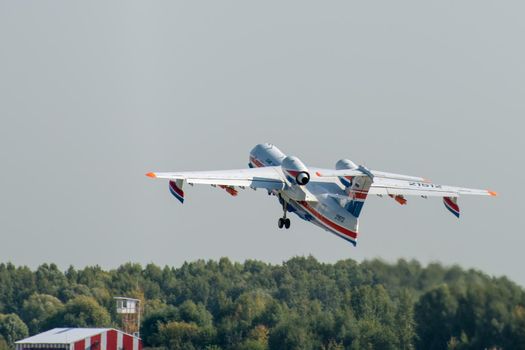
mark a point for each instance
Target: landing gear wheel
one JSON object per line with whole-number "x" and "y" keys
{"x": 284, "y": 221}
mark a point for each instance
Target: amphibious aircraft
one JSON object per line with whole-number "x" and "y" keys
{"x": 329, "y": 198}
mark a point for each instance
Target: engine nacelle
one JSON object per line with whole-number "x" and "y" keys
{"x": 302, "y": 178}
{"x": 345, "y": 164}
{"x": 295, "y": 171}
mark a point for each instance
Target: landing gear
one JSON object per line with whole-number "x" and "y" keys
{"x": 284, "y": 221}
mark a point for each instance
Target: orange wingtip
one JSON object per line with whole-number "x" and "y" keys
{"x": 151, "y": 175}
{"x": 492, "y": 193}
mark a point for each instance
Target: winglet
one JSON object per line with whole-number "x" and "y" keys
{"x": 151, "y": 175}
{"x": 492, "y": 193}
{"x": 451, "y": 203}
{"x": 176, "y": 189}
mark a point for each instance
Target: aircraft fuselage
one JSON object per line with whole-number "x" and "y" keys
{"x": 324, "y": 210}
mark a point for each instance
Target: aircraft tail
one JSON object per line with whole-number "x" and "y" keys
{"x": 357, "y": 192}
{"x": 356, "y": 187}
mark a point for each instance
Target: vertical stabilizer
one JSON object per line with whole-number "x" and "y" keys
{"x": 357, "y": 192}
{"x": 356, "y": 187}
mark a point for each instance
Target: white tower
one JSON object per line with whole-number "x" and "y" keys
{"x": 129, "y": 310}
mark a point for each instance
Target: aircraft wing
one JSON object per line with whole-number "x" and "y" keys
{"x": 266, "y": 177}
{"x": 419, "y": 188}
{"x": 269, "y": 178}
{"x": 362, "y": 171}
{"x": 397, "y": 189}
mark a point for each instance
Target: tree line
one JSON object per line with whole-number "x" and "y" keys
{"x": 299, "y": 304}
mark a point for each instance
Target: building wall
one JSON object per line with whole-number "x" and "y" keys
{"x": 42, "y": 347}
{"x": 110, "y": 340}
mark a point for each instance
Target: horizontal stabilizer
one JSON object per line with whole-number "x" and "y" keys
{"x": 362, "y": 171}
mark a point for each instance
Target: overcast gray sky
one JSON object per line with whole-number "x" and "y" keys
{"x": 94, "y": 94}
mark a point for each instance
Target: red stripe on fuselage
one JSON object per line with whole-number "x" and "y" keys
{"x": 317, "y": 215}
{"x": 327, "y": 222}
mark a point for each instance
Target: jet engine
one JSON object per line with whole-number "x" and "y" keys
{"x": 295, "y": 171}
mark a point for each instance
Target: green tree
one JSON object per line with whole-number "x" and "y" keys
{"x": 291, "y": 333}
{"x": 435, "y": 316}
{"x": 12, "y": 328}
{"x": 406, "y": 327}
{"x": 196, "y": 313}
{"x": 257, "y": 339}
{"x": 154, "y": 320}
{"x": 3, "y": 344}
{"x": 50, "y": 280}
{"x": 38, "y": 308}
{"x": 183, "y": 335}
{"x": 516, "y": 329}
{"x": 81, "y": 311}
{"x": 299, "y": 304}
{"x": 372, "y": 334}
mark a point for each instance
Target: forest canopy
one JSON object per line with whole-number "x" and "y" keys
{"x": 300, "y": 304}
